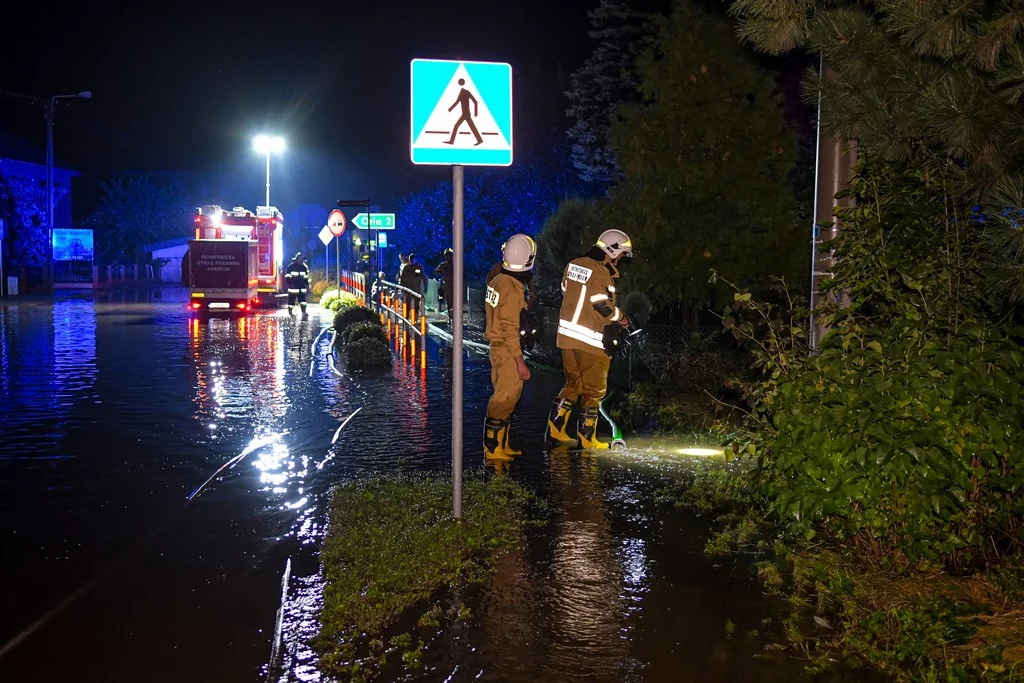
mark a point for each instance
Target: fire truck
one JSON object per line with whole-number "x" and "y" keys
{"x": 264, "y": 227}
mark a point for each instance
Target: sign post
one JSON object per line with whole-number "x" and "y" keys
{"x": 461, "y": 116}
{"x": 3, "y": 282}
{"x": 326, "y": 236}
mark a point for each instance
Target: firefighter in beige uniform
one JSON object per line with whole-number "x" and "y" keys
{"x": 506, "y": 299}
{"x": 588, "y": 306}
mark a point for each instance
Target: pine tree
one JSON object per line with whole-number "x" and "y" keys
{"x": 606, "y": 80}
{"x": 705, "y": 161}
{"x": 910, "y": 80}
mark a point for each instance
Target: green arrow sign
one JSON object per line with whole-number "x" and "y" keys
{"x": 374, "y": 221}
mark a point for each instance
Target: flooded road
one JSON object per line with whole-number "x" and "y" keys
{"x": 120, "y": 565}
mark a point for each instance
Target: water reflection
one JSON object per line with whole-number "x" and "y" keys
{"x": 590, "y": 627}
{"x": 47, "y": 367}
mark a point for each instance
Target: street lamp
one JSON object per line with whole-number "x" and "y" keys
{"x": 267, "y": 144}
{"x": 50, "y": 107}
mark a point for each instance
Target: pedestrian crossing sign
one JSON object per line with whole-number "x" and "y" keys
{"x": 461, "y": 113}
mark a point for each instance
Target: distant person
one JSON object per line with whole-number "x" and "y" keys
{"x": 185, "y": 271}
{"x": 378, "y": 286}
{"x": 414, "y": 279}
{"x": 505, "y": 303}
{"x": 297, "y": 276}
{"x": 446, "y": 271}
{"x": 403, "y": 261}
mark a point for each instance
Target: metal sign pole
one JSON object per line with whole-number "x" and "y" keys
{"x": 337, "y": 259}
{"x": 457, "y": 295}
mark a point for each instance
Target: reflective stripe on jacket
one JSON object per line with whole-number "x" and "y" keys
{"x": 297, "y": 277}
{"x": 588, "y": 304}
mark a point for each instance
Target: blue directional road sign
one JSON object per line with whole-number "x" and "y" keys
{"x": 374, "y": 221}
{"x": 461, "y": 113}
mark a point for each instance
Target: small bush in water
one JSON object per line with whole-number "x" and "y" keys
{"x": 369, "y": 353}
{"x": 364, "y": 330}
{"x": 350, "y": 316}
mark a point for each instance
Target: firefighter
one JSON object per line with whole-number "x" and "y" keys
{"x": 506, "y": 300}
{"x": 588, "y": 306}
{"x": 297, "y": 277}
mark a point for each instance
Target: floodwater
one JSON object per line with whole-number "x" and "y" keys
{"x": 126, "y": 559}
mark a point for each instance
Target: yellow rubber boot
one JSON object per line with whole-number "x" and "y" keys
{"x": 586, "y": 431}
{"x": 558, "y": 422}
{"x": 504, "y": 444}
{"x": 495, "y": 432}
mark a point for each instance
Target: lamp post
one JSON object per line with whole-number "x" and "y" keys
{"x": 267, "y": 144}
{"x": 50, "y": 109}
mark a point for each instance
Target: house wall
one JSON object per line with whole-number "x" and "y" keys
{"x": 171, "y": 271}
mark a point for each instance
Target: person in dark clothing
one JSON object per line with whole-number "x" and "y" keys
{"x": 297, "y": 277}
{"x": 446, "y": 271}
{"x": 414, "y": 279}
{"x": 186, "y": 275}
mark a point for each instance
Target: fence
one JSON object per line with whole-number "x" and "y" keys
{"x": 403, "y": 315}
{"x": 354, "y": 284}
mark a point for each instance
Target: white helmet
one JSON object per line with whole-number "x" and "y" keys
{"x": 615, "y": 243}
{"x": 518, "y": 253}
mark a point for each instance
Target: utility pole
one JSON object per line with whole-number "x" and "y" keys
{"x": 51, "y": 105}
{"x": 836, "y": 161}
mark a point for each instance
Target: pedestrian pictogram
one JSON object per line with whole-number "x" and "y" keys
{"x": 461, "y": 113}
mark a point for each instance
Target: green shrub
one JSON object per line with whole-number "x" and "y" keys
{"x": 902, "y": 443}
{"x": 335, "y": 301}
{"x": 318, "y": 288}
{"x": 364, "y": 330}
{"x": 901, "y": 437}
{"x": 349, "y": 315}
{"x": 369, "y": 352}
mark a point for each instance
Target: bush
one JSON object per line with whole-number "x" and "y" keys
{"x": 350, "y": 315}
{"x": 900, "y": 439}
{"x": 364, "y": 330}
{"x": 318, "y": 288}
{"x": 903, "y": 444}
{"x": 369, "y": 352}
{"x": 335, "y": 301}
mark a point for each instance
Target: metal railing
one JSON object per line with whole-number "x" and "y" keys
{"x": 354, "y": 284}
{"x": 402, "y": 314}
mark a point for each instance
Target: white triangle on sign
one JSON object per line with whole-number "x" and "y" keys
{"x": 437, "y": 132}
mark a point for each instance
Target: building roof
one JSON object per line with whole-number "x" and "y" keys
{"x": 166, "y": 244}
{"x": 17, "y": 148}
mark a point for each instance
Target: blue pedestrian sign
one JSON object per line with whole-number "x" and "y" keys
{"x": 461, "y": 113}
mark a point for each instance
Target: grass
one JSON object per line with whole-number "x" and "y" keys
{"x": 908, "y": 622}
{"x": 393, "y": 555}
{"x": 912, "y": 623}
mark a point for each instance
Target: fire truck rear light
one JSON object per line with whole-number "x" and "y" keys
{"x": 196, "y": 304}
{"x": 241, "y": 305}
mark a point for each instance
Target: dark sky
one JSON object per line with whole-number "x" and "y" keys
{"x": 185, "y": 85}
